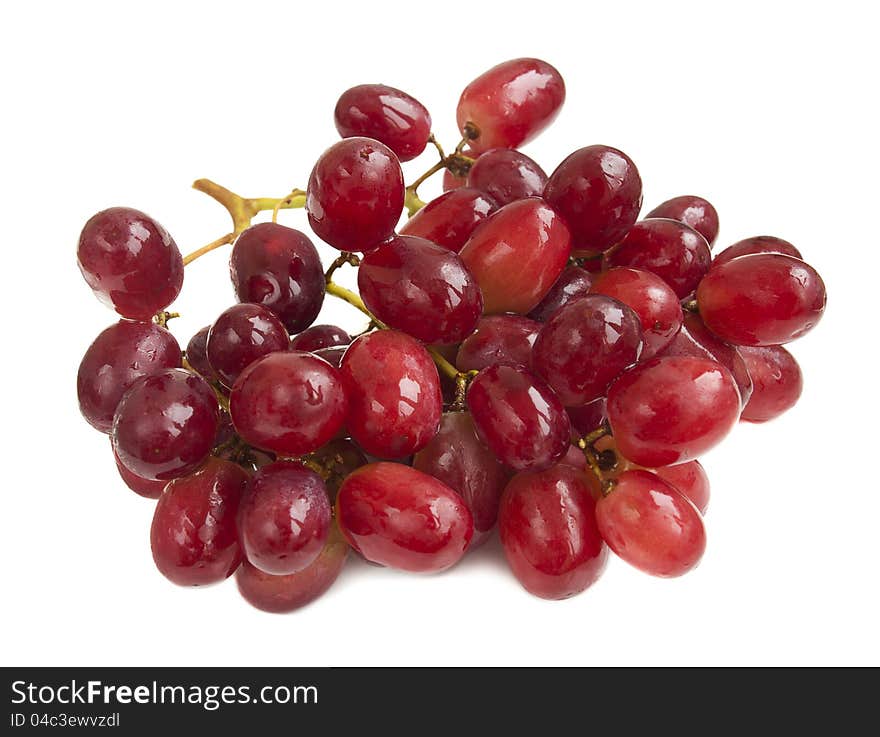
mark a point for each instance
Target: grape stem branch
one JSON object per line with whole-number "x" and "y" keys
{"x": 457, "y": 162}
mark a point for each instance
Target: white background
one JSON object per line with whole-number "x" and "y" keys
{"x": 764, "y": 108}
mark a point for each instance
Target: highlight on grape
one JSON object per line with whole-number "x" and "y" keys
{"x": 536, "y": 359}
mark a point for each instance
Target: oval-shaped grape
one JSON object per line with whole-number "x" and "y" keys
{"x": 498, "y": 339}
{"x": 756, "y": 244}
{"x": 690, "y": 210}
{"x": 777, "y": 380}
{"x": 450, "y": 219}
{"x": 690, "y": 480}
{"x": 320, "y": 336}
{"x": 507, "y": 175}
{"x": 572, "y": 283}
{"x": 147, "y": 488}
{"x": 197, "y": 354}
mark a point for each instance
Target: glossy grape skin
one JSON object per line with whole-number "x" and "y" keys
{"x": 549, "y": 532}
{"x": 671, "y": 410}
{"x": 284, "y": 518}
{"x": 498, "y": 339}
{"x": 386, "y": 114}
{"x": 402, "y": 518}
{"x": 279, "y": 268}
{"x": 339, "y": 458}
{"x": 320, "y": 336}
{"x": 588, "y": 417}
{"x": 598, "y": 192}
{"x": 290, "y": 403}
{"x": 690, "y": 480}
{"x": 395, "y": 394}
{"x": 450, "y": 219}
{"x": 197, "y": 354}
{"x": 586, "y": 345}
{"x": 675, "y": 252}
{"x": 695, "y": 339}
{"x": 165, "y": 424}
{"x": 242, "y": 334}
{"x": 517, "y": 254}
{"x": 518, "y": 417}
{"x": 146, "y": 488}
{"x": 761, "y": 299}
{"x": 777, "y": 380}
{"x": 456, "y": 457}
{"x": 572, "y": 283}
{"x": 279, "y": 594}
{"x": 651, "y": 298}
{"x": 756, "y": 244}
{"x": 421, "y": 288}
{"x": 193, "y": 535}
{"x": 507, "y": 175}
{"x": 118, "y": 357}
{"x": 651, "y": 525}
{"x": 510, "y": 104}
{"x": 131, "y": 263}
{"x": 332, "y": 354}
{"x": 691, "y": 210}
{"x": 355, "y": 194}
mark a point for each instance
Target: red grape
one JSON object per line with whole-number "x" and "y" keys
{"x": 652, "y": 300}
{"x": 284, "y": 518}
{"x": 756, "y": 244}
{"x": 290, "y": 403}
{"x": 193, "y": 535}
{"x": 450, "y": 219}
{"x": 402, "y": 518}
{"x": 387, "y": 114}
{"x": 761, "y": 299}
{"x": 395, "y": 394}
{"x": 777, "y": 382}
{"x": 457, "y": 458}
{"x": 690, "y": 210}
{"x": 320, "y": 336}
{"x": 146, "y": 488}
{"x": 279, "y": 268}
{"x": 518, "y": 417}
{"x": 690, "y": 480}
{"x": 241, "y": 335}
{"x": 517, "y": 255}
{"x": 130, "y": 262}
{"x": 671, "y": 410}
{"x": 585, "y": 345}
{"x": 549, "y": 532}
{"x": 498, "y": 339}
{"x": 355, "y": 194}
{"x": 507, "y": 175}
{"x": 332, "y": 354}
{"x": 165, "y": 424}
{"x": 420, "y": 288}
{"x": 117, "y": 358}
{"x": 675, "y": 252}
{"x": 510, "y": 104}
{"x": 650, "y": 525}
{"x": 598, "y": 192}
{"x": 197, "y": 354}
{"x": 572, "y": 283}
{"x": 587, "y": 418}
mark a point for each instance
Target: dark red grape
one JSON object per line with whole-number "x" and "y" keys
{"x": 672, "y": 410}
{"x": 777, "y": 380}
{"x": 421, "y": 288}
{"x": 518, "y": 417}
{"x": 498, "y": 339}
{"x": 598, "y": 192}
{"x": 165, "y": 424}
{"x": 117, "y": 358}
{"x": 675, "y": 252}
{"x": 761, "y": 299}
{"x": 517, "y": 255}
{"x": 457, "y": 458}
{"x": 284, "y": 518}
{"x": 450, "y": 219}
{"x": 651, "y": 525}
{"x": 193, "y": 535}
{"x": 507, "y": 175}
{"x": 241, "y": 335}
{"x": 690, "y": 480}
{"x": 338, "y": 458}
{"x": 290, "y": 403}
{"x": 587, "y": 418}
{"x": 572, "y": 283}
{"x": 332, "y": 354}
{"x": 395, "y": 394}
{"x": 652, "y": 300}
{"x": 130, "y": 262}
{"x": 355, "y": 194}
{"x": 402, "y": 518}
{"x": 197, "y": 355}
{"x": 756, "y": 244}
{"x": 586, "y": 345}
{"x": 549, "y": 532}
{"x": 320, "y": 336}
{"x": 690, "y": 210}
{"x": 279, "y": 268}
{"x": 510, "y": 104}
{"x": 146, "y": 488}
{"x": 386, "y": 114}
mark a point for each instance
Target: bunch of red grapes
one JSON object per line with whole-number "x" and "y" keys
{"x": 536, "y": 358}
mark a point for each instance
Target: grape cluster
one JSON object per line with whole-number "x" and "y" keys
{"x": 537, "y": 359}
